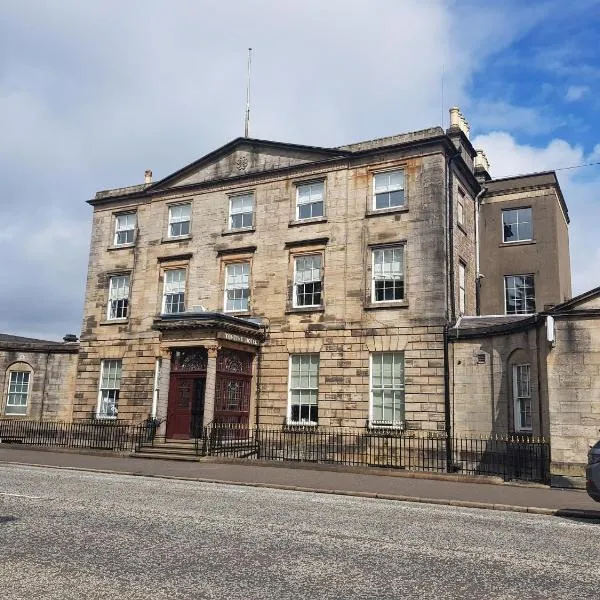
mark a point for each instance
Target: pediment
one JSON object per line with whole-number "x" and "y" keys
{"x": 242, "y": 157}
{"x": 589, "y": 300}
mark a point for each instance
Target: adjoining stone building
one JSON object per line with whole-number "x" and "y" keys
{"x": 37, "y": 378}
{"x": 532, "y": 375}
{"x": 278, "y": 284}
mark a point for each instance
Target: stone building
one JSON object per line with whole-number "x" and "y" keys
{"x": 532, "y": 375}
{"x": 37, "y": 378}
{"x": 279, "y": 284}
{"x": 524, "y": 253}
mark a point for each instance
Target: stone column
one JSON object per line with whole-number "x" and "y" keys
{"x": 211, "y": 383}
{"x": 163, "y": 390}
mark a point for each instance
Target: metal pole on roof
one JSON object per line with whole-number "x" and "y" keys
{"x": 247, "y": 124}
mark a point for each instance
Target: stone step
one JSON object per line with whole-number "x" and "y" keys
{"x": 166, "y": 449}
{"x": 165, "y": 456}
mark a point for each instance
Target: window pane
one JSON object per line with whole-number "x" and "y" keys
{"x": 517, "y": 224}
{"x": 304, "y": 383}
{"x": 387, "y": 387}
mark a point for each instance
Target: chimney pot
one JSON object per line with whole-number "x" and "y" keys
{"x": 148, "y": 176}
{"x": 70, "y": 337}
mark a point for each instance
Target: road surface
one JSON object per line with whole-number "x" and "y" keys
{"x": 74, "y": 534}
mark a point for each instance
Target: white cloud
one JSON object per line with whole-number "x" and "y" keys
{"x": 581, "y": 189}
{"x": 503, "y": 115}
{"x": 576, "y": 92}
{"x": 92, "y": 94}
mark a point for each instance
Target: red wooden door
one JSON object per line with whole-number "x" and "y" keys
{"x": 186, "y": 405}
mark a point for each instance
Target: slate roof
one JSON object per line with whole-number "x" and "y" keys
{"x": 17, "y": 342}
{"x": 491, "y": 325}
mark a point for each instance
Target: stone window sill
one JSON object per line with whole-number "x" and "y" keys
{"x": 238, "y": 231}
{"x": 180, "y": 238}
{"x": 114, "y": 321}
{"x": 304, "y": 309}
{"x": 385, "y": 305}
{"x": 520, "y": 243}
{"x": 386, "y": 211}
{"x": 121, "y": 246}
{"x": 298, "y": 222}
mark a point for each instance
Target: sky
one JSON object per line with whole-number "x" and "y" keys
{"x": 94, "y": 93}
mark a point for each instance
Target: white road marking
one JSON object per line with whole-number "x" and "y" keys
{"x": 23, "y": 496}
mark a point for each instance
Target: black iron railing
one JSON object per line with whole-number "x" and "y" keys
{"x": 509, "y": 457}
{"x": 100, "y": 435}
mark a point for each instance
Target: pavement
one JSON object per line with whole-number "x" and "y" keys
{"x": 453, "y": 490}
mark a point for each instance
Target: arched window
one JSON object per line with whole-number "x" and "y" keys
{"x": 522, "y": 388}
{"x": 19, "y": 377}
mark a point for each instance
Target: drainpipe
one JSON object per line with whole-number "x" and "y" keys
{"x": 450, "y": 307}
{"x": 478, "y": 275}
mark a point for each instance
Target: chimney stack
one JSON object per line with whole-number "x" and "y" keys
{"x": 70, "y": 337}
{"x": 481, "y": 166}
{"x": 458, "y": 121}
{"x": 148, "y": 176}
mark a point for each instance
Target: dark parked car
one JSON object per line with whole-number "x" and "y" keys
{"x": 592, "y": 473}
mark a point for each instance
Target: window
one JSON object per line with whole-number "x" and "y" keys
{"x": 309, "y": 200}
{"x": 388, "y": 189}
{"x": 118, "y": 297}
{"x": 388, "y": 274}
{"x": 125, "y": 229}
{"x": 387, "y": 389}
{"x": 307, "y": 280}
{"x": 462, "y": 296}
{"x": 110, "y": 383}
{"x": 460, "y": 208}
{"x": 174, "y": 291}
{"x": 237, "y": 287}
{"x": 519, "y": 294}
{"x": 241, "y": 211}
{"x": 304, "y": 388}
{"x": 522, "y": 396}
{"x": 516, "y": 225}
{"x": 18, "y": 393}
{"x": 179, "y": 220}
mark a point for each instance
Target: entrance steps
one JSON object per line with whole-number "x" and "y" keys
{"x": 169, "y": 449}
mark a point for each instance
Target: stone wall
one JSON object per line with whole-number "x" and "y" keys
{"x": 574, "y": 394}
{"x": 482, "y": 387}
{"x": 52, "y": 381}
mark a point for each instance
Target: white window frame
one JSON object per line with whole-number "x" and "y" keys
{"x": 309, "y": 185}
{"x": 314, "y": 389}
{"x": 460, "y": 210}
{"x": 109, "y": 389}
{"x": 522, "y": 400}
{"x": 19, "y": 388}
{"x": 114, "y": 297}
{"x": 374, "y": 251}
{"x": 517, "y": 209}
{"x": 525, "y": 299}
{"x": 179, "y": 219}
{"x": 297, "y": 284}
{"x": 171, "y": 288}
{"x": 121, "y": 229}
{"x": 462, "y": 290}
{"x": 389, "y": 188}
{"x": 397, "y": 388}
{"x": 243, "y": 211}
{"x": 236, "y": 287}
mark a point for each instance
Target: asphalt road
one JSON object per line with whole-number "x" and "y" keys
{"x": 72, "y": 534}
